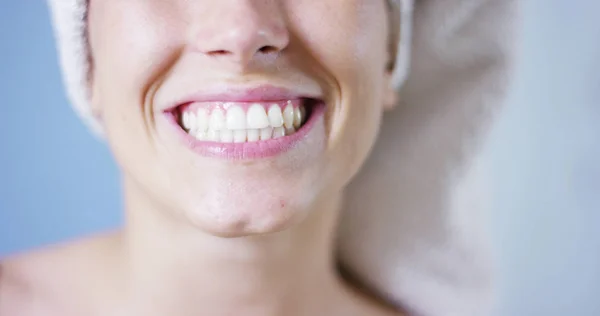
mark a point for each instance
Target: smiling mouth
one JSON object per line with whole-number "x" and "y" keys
{"x": 244, "y": 122}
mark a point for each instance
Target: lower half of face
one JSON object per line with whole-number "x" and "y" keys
{"x": 240, "y": 118}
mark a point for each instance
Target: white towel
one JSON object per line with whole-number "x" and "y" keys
{"x": 414, "y": 228}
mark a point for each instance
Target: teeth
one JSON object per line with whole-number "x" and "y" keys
{"x": 193, "y": 122}
{"x": 253, "y": 135}
{"x": 275, "y": 117}
{"x": 189, "y": 121}
{"x": 278, "y": 132}
{"x": 213, "y": 135}
{"x": 226, "y": 136}
{"x": 298, "y": 117}
{"x": 236, "y": 118}
{"x": 302, "y": 114}
{"x": 290, "y": 131}
{"x": 217, "y": 120}
{"x": 239, "y": 136}
{"x": 266, "y": 133}
{"x": 257, "y": 117}
{"x": 200, "y": 135}
{"x": 288, "y": 116}
{"x": 201, "y": 120}
{"x": 238, "y": 126}
{"x": 185, "y": 120}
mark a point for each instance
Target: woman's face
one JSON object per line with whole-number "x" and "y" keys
{"x": 240, "y": 116}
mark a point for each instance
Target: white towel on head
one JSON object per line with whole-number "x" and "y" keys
{"x": 414, "y": 227}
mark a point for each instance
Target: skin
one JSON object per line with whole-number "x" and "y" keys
{"x": 211, "y": 236}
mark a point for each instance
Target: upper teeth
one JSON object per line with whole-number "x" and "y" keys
{"x": 232, "y": 123}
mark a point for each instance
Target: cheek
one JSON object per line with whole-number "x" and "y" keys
{"x": 350, "y": 42}
{"x": 131, "y": 46}
{"x": 130, "y": 49}
{"x": 348, "y": 38}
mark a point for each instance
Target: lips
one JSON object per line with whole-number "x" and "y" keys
{"x": 248, "y": 124}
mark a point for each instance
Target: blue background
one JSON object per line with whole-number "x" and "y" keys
{"x": 57, "y": 182}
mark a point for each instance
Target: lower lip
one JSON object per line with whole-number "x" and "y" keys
{"x": 247, "y": 150}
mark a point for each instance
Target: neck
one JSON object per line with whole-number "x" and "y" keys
{"x": 178, "y": 269}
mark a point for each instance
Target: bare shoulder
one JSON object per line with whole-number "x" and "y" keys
{"x": 41, "y": 282}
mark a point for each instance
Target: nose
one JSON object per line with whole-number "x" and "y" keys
{"x": 241, "y": 30}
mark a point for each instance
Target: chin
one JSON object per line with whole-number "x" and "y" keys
{"x": 253, "y": 206}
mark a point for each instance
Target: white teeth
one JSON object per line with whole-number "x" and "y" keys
{"x": 201, "y": 135}
{"x": 239, "y": 136}
{"x": 237, "y": 126}
{"x": 297, "y": 117}
{"x": 193, "y": 122}
{"x": 266, "y": 133}
{"x": 201, "y": 120}
{"x": 185, "y": 120}
{"x": 288, "y": 116}
{"x": 226, "y": 136}
{"x": 236, "y": 118}
{"x": 275, "y": 116}
{"x": 213, "y": 135}
{"x": 257, "y": 117}
{"x": 217, "y": 120}
{"x": 278, "y": 132}
{"x": 253, "y": 135}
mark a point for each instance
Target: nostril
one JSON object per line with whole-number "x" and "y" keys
{"x": 263, "y": 50}
{"x": 268, "y": 49}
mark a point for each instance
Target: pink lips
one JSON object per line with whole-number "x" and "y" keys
{"x": 247, "y": 150}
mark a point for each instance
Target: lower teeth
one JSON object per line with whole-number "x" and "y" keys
{"x": 242, "y": 136}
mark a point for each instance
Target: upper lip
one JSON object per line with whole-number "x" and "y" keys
{"x": 257, "y": 93}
